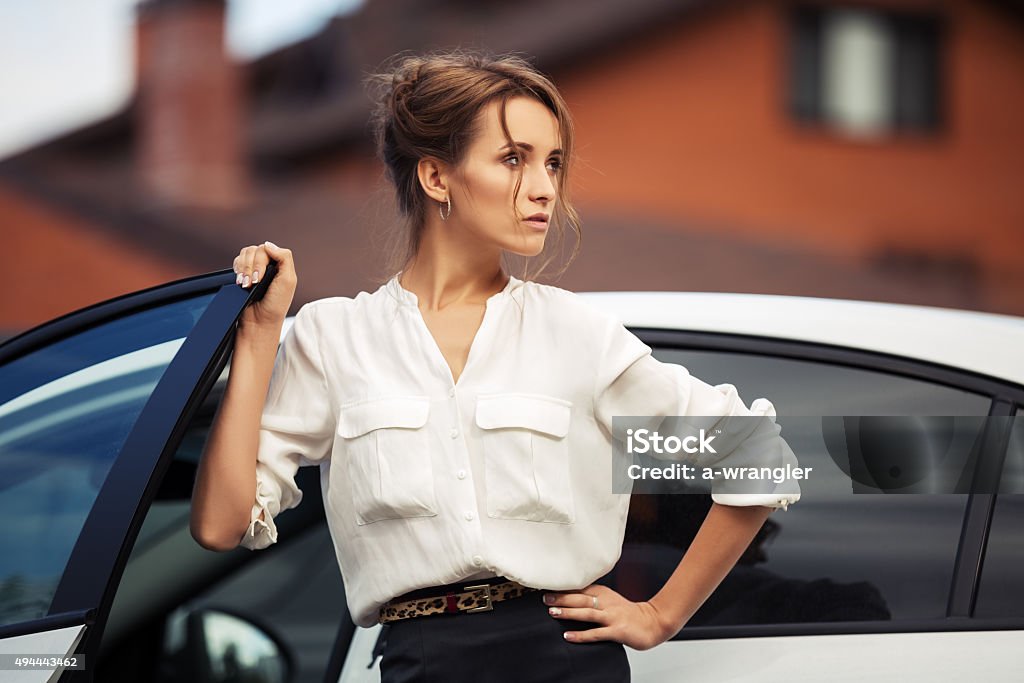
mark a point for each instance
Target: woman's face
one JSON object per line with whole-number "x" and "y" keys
{"x": 483, "y": 185}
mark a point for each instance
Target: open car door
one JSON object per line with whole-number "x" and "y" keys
{"x": 92, "y": 408}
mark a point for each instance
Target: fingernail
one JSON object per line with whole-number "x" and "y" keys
{"x": 255, "y": 276}
{"x": 548, "y": 599}
{"x": 245, "y": 281}
{"x": 238, "y": 278}
{"x": 555, "y": 611}
{"x": 568, "y": 635}
{"x": 271, "y": 244}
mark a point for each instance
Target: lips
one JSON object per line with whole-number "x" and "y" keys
{"x": 538, "y": 220}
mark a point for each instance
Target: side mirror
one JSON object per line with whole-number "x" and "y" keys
{"x": 216, "y": 646}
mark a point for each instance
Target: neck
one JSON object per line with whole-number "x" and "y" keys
{"x": 441, "y": 279}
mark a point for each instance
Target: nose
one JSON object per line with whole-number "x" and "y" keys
{"x": 540, "y": 187}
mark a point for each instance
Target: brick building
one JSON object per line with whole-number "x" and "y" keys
{"x": 866, "y": 149}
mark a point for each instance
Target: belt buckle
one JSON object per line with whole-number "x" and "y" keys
{"x": 484, "y": 608}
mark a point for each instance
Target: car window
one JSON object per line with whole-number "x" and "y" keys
{"x": 292, "y": 592}
{"x": 65, "y": 411}
{"x": 1001, "y": 592}
{"x": 835, "y": 555}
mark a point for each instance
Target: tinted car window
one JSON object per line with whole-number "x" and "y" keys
{"x": 1001, "y": 593}
{"x": 65, "y": 411}
{"x": 292, "y": 591}
{"x": 836, "y": 555}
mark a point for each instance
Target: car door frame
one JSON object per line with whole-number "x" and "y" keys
{"x": 90, "y": 578}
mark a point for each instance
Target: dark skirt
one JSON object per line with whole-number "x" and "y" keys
{"x": 517, "y": 642}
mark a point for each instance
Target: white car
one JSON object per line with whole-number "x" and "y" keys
{"x": 901, "y": 562}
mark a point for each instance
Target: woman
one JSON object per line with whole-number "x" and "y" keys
{"x": 461, "y": 416}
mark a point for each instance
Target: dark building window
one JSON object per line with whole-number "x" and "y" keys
{"x": 865, "y": 71}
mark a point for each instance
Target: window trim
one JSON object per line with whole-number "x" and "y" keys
{"x": 987, "y": 507}
{"x": 838, "y": 628}
{"x": 962, "y": 594}
{"x": 75, "y": 322}
{"x": 981, "y": 507}
{"x": 956, "y": 378}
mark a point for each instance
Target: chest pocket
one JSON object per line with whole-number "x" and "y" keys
{"x": 388, "y": 451}
{"x": 526, "y": 456}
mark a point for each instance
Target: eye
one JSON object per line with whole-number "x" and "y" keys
{"x": 555, "y": 164}
{"x": 512, "y": 159}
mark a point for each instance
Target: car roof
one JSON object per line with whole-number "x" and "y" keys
{"x": 986, "y": 343}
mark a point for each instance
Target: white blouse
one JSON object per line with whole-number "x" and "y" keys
{"x": 427, "y": 481}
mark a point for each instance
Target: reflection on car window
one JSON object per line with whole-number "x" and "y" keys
{"x": 65, "y": 411}
{"x": 836, "y": 555}
{"x": 295, "y": 592}
{"x": 1001, "y": 593}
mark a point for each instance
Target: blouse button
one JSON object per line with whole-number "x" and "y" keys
{"x": 469, "y": 516}
{"x": 451, "y": 392}
{"x": 461, "y": 474}
{"x": 478, "y": 561}
{"x": 454, "y": 433}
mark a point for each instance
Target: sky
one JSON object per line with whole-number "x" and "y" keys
{"x": 66, "y": 63}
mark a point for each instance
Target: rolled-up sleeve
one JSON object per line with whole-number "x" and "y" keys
{"x": 631, "y": 382}
{"x": 296, "y": 427}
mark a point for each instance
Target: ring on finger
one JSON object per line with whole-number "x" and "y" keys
{"x": 595, "y": 601}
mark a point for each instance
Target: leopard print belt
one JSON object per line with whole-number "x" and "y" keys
{"x": 479, "y": 598}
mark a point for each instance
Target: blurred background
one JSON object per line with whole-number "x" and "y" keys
{"x": 866, "y": 149}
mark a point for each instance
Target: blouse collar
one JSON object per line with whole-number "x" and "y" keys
{"x": 404, "y": 296}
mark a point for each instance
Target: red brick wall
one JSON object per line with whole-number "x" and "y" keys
{"x": 691, "y": 124}
{"x": 58, "y": 263}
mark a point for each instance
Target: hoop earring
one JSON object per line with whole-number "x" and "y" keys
{"x": 440, "y": 209}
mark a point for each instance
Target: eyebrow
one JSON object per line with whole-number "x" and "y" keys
{"x": 529, "y": 148}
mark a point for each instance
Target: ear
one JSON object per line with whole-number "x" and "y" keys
{"x": 433, "y": 177}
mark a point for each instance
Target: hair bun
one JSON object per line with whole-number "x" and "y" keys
{"x": 405, "y": 77}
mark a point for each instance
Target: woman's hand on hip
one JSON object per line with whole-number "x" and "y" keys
{"x": 636, "y": 624}
{"x": 251, "y": 267}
